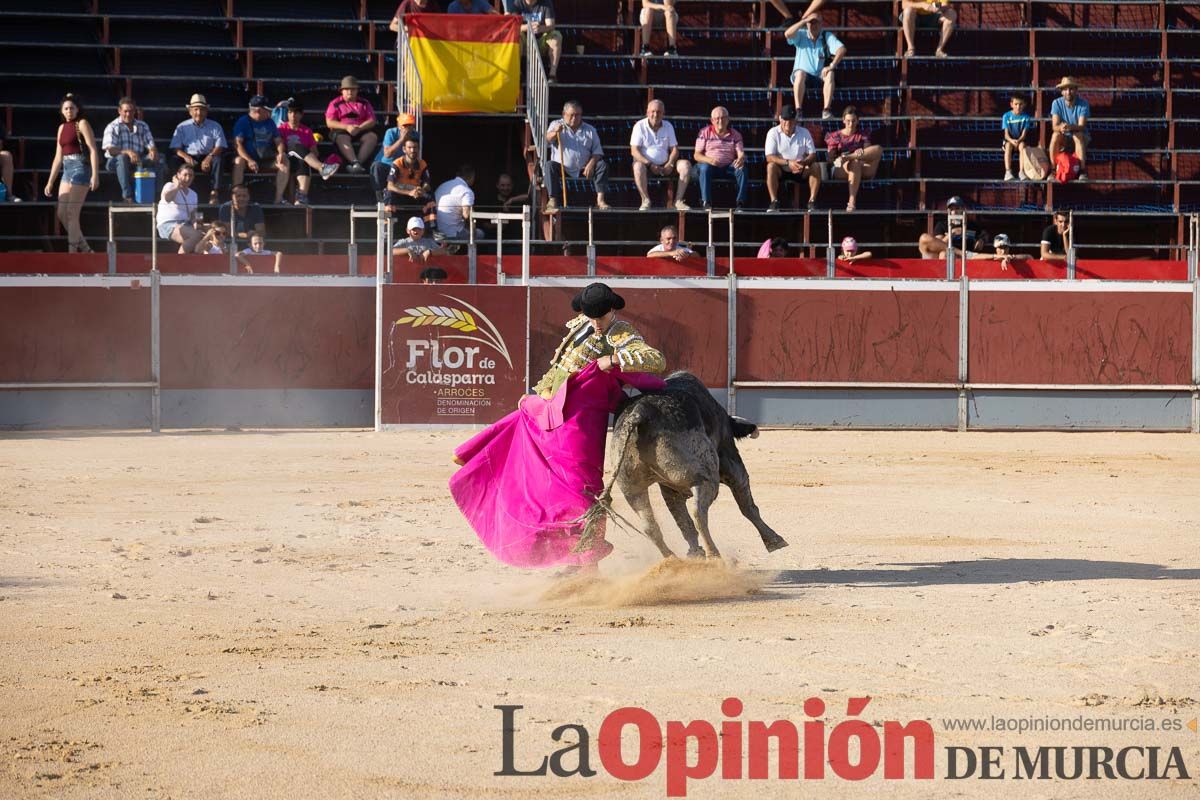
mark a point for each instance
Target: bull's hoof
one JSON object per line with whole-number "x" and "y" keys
{"x": 695, "y": 552}
{"x": 774, "y": 543}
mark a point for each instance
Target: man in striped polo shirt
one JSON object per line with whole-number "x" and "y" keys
{"x": 720, "y": 153}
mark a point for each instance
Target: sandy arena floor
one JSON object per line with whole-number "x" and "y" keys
{"x": 305, "y": 615}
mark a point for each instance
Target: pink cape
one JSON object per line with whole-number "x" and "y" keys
{"x": 529, "y": 476}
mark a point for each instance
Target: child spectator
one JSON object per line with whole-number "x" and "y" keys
{"x": 351, "y": 120}
{"x": 1004, "y": 253}
{"x": 777, "y": 247}
{"x": 471, "y": 7}
{"x": 301, "y": 148}
{"x": 214, "y": 241}
{"x": 416, "y": 246}
{"x": 433, "y": 275}
{"x": 850, "y": 252}
{"x": 1018, "y": 128}
{"x": 258, "y": 247}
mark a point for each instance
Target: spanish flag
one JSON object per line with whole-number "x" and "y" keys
{"x": 467, "y": 62}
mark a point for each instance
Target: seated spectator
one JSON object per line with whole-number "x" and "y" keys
{"x": 669, "y": 246}
{"x": 258, "y": 247}
{"x": 1019, "y": 130}
{"x": 177, "y": 211}
{"x": 409, "y": 185}
{"x": 6, "y": 169}
{"x": 301, "y": 149}
{"x": 1069, "y": 116}
{"x": 259, "y": 146}
{"x": 1056, "y": 238}
{"x": 655, "y": 151}
{"x": 454, "y": 200}
{"x": 215, "y": 240}
{"x": 243, "y": 217}
{"x": 504, "y": 193}
{"x": 776, "y": 247}
{"x": 412, "y": 7}
{"x": 720, "y": 152}
{"x": 351, "y": 120}
{"x": 200, "y": 143}
{"x": 539, "y": 18}
{"x": 850, "y": 252}
{"x": 130, "y": 147}
{"x": 471, "y": 7}
{"x": 818, "y": 53}
{"x": 852, "y": 154}
{"x": 929, "y": 13}
{"x": 574, "y": 149}
{"x": 670, "y": 17}
{"x": 813, "y": 7}
{"x": 390, "y": 150}
{"x": 1004, "y": 253}
{"x": 416, "y": 246}
{"x": 433, "y": 275}
{"x": 971, "y": 242}
{"x": 791, "y": 156}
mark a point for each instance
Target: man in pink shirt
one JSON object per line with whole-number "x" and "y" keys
{"x": 720, "y": 153}
{"x": 352, "y": 122}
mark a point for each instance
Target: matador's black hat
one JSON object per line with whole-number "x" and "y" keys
{"x": 596, "y": 300}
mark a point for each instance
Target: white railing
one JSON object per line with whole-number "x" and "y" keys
{"x": 410, "y": 92}
{"x": 150, "y": 209}
{"x": 537, "y": 97}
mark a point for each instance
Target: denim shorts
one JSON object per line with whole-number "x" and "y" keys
{"x": 76, "y": 171}
{"x": 165, "y": 229}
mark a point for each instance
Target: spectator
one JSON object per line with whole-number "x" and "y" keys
{"x": 130, "y": 147}
{"x": 454, "y": 200}
{"x": 504, "y": 193}
{"x": 215, "y": 240}
{"x": 655, "y": 151}
{"x": 854, "y": 157}
{"x": 352, "y": 121}
{"x": 416, "y": 246}
{"x": 258, "y": 247}
{"x": 850, "y": 252}
{"x": 1004, "y": 253}
{"x": 720, "y": 152}
{"x": 6, "y": 168}
{"x": 393, "y": 144}
{"x": 177, "y": 211}
{"x": 575, "y": 150}
{"x": 927, "y": 13}
{"x": 243, "y": 217}
{"x": 818, "y": 53}
{"x": 79, "y": 172}
{"x": 200, "y": 142}
{"x": 669, "y": 246}
{"x": 1018, "y": 129}
{"x": 409, "y": 184}
{"x": 813, "y": 7}
{"x": 471, "y": 7}
{"x": 791, "y": 155}
{"x": 433, "y": 275}
{"x": 971, "y": 242}
{"x": 776, "y": 247}
{"x": 652, "y": 9}
{"x": 412, "y": 7}
{"x": 1056, "y": 238}
{"x": 1069, "y": 118}
{"x": 301, "y": 148}
{"x": 539, "y": 18}
{"x": 259, "y": 146}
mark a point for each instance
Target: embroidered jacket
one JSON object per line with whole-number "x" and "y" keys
{"x": 583, "y": 345}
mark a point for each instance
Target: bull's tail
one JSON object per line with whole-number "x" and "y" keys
{"x": 743, "y": 428}
{"x": 629, "y": 423}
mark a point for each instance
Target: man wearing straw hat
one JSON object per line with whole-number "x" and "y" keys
{"x": 200, "y": 143}
{"x": 1069, "y": 116}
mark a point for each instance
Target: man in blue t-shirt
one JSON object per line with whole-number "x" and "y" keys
{"x": 1069, "y": 116}
{"x": 818, "y": 53}
{"x": 471, "y": 7}
{"x": 1018, "y": 132}
{"x": 259, "y": 146}
{"x": 393, "y": 144}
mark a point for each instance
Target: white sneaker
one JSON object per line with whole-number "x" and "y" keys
{"x": 682, "y": 206}
{"x": 551, "y": 206}
{"x": 328, "y": 171}
{"x": 645, "y": 206}
{"x": 1009, "y": 176}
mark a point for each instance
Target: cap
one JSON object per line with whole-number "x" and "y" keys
{"x": 955, "y": 201}
{"x": 198, "y": 100}
{"x": 349, "y": 82}
{"x": 787, "y": 112}
{"x": 294, "y": 105}
{"x": 406, "y": 119}
{"x": 1001, "y": 240}
{"x": 258, "y": 101}
{"x": 850, "y": 245}
{"x": 414, "y": 223}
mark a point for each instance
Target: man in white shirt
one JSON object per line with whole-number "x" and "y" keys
{"x": 791, "y": 155}
{"x": 669, "y": 246}
{"x": 177, "y": 211}
{"x": 454, "y": 199}
{"x": 655, "y": 151}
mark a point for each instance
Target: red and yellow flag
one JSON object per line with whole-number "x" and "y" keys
{"x": 468, "y": 62}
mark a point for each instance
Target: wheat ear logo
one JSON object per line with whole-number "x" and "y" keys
{"x": 471, "y": 320}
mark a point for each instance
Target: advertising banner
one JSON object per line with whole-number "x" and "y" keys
{"x": 452, "y": 355}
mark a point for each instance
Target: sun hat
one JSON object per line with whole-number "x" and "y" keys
{"x": 349, "y": 82}
{"x": 198, "y": 100}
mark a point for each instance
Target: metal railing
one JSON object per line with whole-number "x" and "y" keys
{"x": 410, "y": 92}
{"x": 526, "y": 220}
{"x": 111, "y": 246}
{"x": 383, "y": 238}
{"x": 537, "y": 97}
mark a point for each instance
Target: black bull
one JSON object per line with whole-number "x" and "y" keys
{"x": 683, "y": 440}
